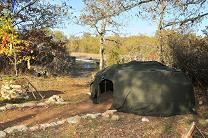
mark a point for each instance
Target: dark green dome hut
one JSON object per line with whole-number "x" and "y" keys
{"x": 145, "y": 88}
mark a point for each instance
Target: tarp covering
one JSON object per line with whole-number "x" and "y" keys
{"x": 146, "y": 88}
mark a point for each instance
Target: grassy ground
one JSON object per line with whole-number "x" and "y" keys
{"x": 129, "y": 125}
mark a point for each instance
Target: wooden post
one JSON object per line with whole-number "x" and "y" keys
{"x": 191, "y": 130}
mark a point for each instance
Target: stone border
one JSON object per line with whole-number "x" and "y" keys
{"x": 71, "y": 120}
{"x": 29, "y": 104}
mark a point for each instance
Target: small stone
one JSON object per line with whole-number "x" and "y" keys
{"x": 16, "y": 86}
{"x": 53, "y": 124}
{"x": 15, "y": 128}
{"x": 9, "y": 130}
{"x": 200, "y": 102}
{"x": 93, "y": 116}
{"x": 144, "y": 119}
{"x": 3, "y": 108}
{"x": 10, "y": 106}
{"x": 2, "y": 134}
{"x": 104, "y": 115}
{"x": 8, "y": 97}
{"x": 108, "y": 113}
{"x": 44, "y": 126}
{"x": 41, "y": 104}
{"x": 34, "y": 128}
{"x": 89, "y": 93}
{"x": 115, "y": 117}
{"x": 111, "y": 111}
{"x": 27, "y": 105}
{"x": 22, "y": 128}
{"x": 26, "y": 97}
{"x": 6, "y": 87}
{"x": 60, "y": 122}
{"x": 61, "y": 103}
{"x": 74, "y": 120}
{"x": 54, "y": 99}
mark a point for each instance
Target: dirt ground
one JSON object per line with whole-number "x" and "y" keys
{"x": 72, "y": 90}
{"x": 76, "y": 91}
{"x": 128, "y": 126}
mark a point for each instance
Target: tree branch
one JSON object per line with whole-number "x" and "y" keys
{"x": 192, "y": 20}
{"x": 28, "y": 5}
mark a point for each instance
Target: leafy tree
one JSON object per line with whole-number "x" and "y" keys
{"x": 36, "y": 13}
{"x": 15, "y": 49}
{"x": 29, "y": 15}
{"x": 59, "y": 36}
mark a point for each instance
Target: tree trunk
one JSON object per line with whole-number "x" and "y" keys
{"x": 15, "y": 64}
{"x": 101, "y": 52}
{"x": 162, "y": 11}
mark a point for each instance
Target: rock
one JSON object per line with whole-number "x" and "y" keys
{"x": 105, "y": 115}
{"x": 2, "y": 134}
{"x": 206, "y": 120}
{"x": 54, "y": 99}
{"x": 16, "y": 86}
{"x": 89, "y": 93}
{"x": 6, "y": 87}
{"x": 115, "y": 117}
{"x": 200, "y": 102}
{"x": 144, "y": 119}
{"x": 61, "y": 102}
{"x": 108, "y": 113}
{"x": 11, "y": 90}
{"x": 53, "y": 124}
{"x": 10, "y": 106}
{"x": 74, "y": 120}
{"x": 3, "y": 108}
{"x": 60, "y": 122}
{"x": 15, "y": 128}
{"x": 44, "y": 126}
{"x": 41, "y": 104}
{"x": 111, "y": 111}
{"x": 93, "y": 116}
{"x": 27, "y": 104}
{"x": 33, "y": 128}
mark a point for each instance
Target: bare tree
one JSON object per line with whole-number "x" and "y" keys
{"x": 101, "y": 16}
{"x": 176, "y": 14}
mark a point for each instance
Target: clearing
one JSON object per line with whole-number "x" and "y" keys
{"x": 75, "y": 90}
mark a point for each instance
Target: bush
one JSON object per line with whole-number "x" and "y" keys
{"x": 113, "y": 56}
{"x": 188, "y": 53}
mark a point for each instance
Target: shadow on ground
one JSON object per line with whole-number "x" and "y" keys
{"x": 19, "y": 119}
{"x": 45, "y": 94}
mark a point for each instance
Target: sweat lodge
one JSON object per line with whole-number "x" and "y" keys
{"x": 145, "y": 88}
